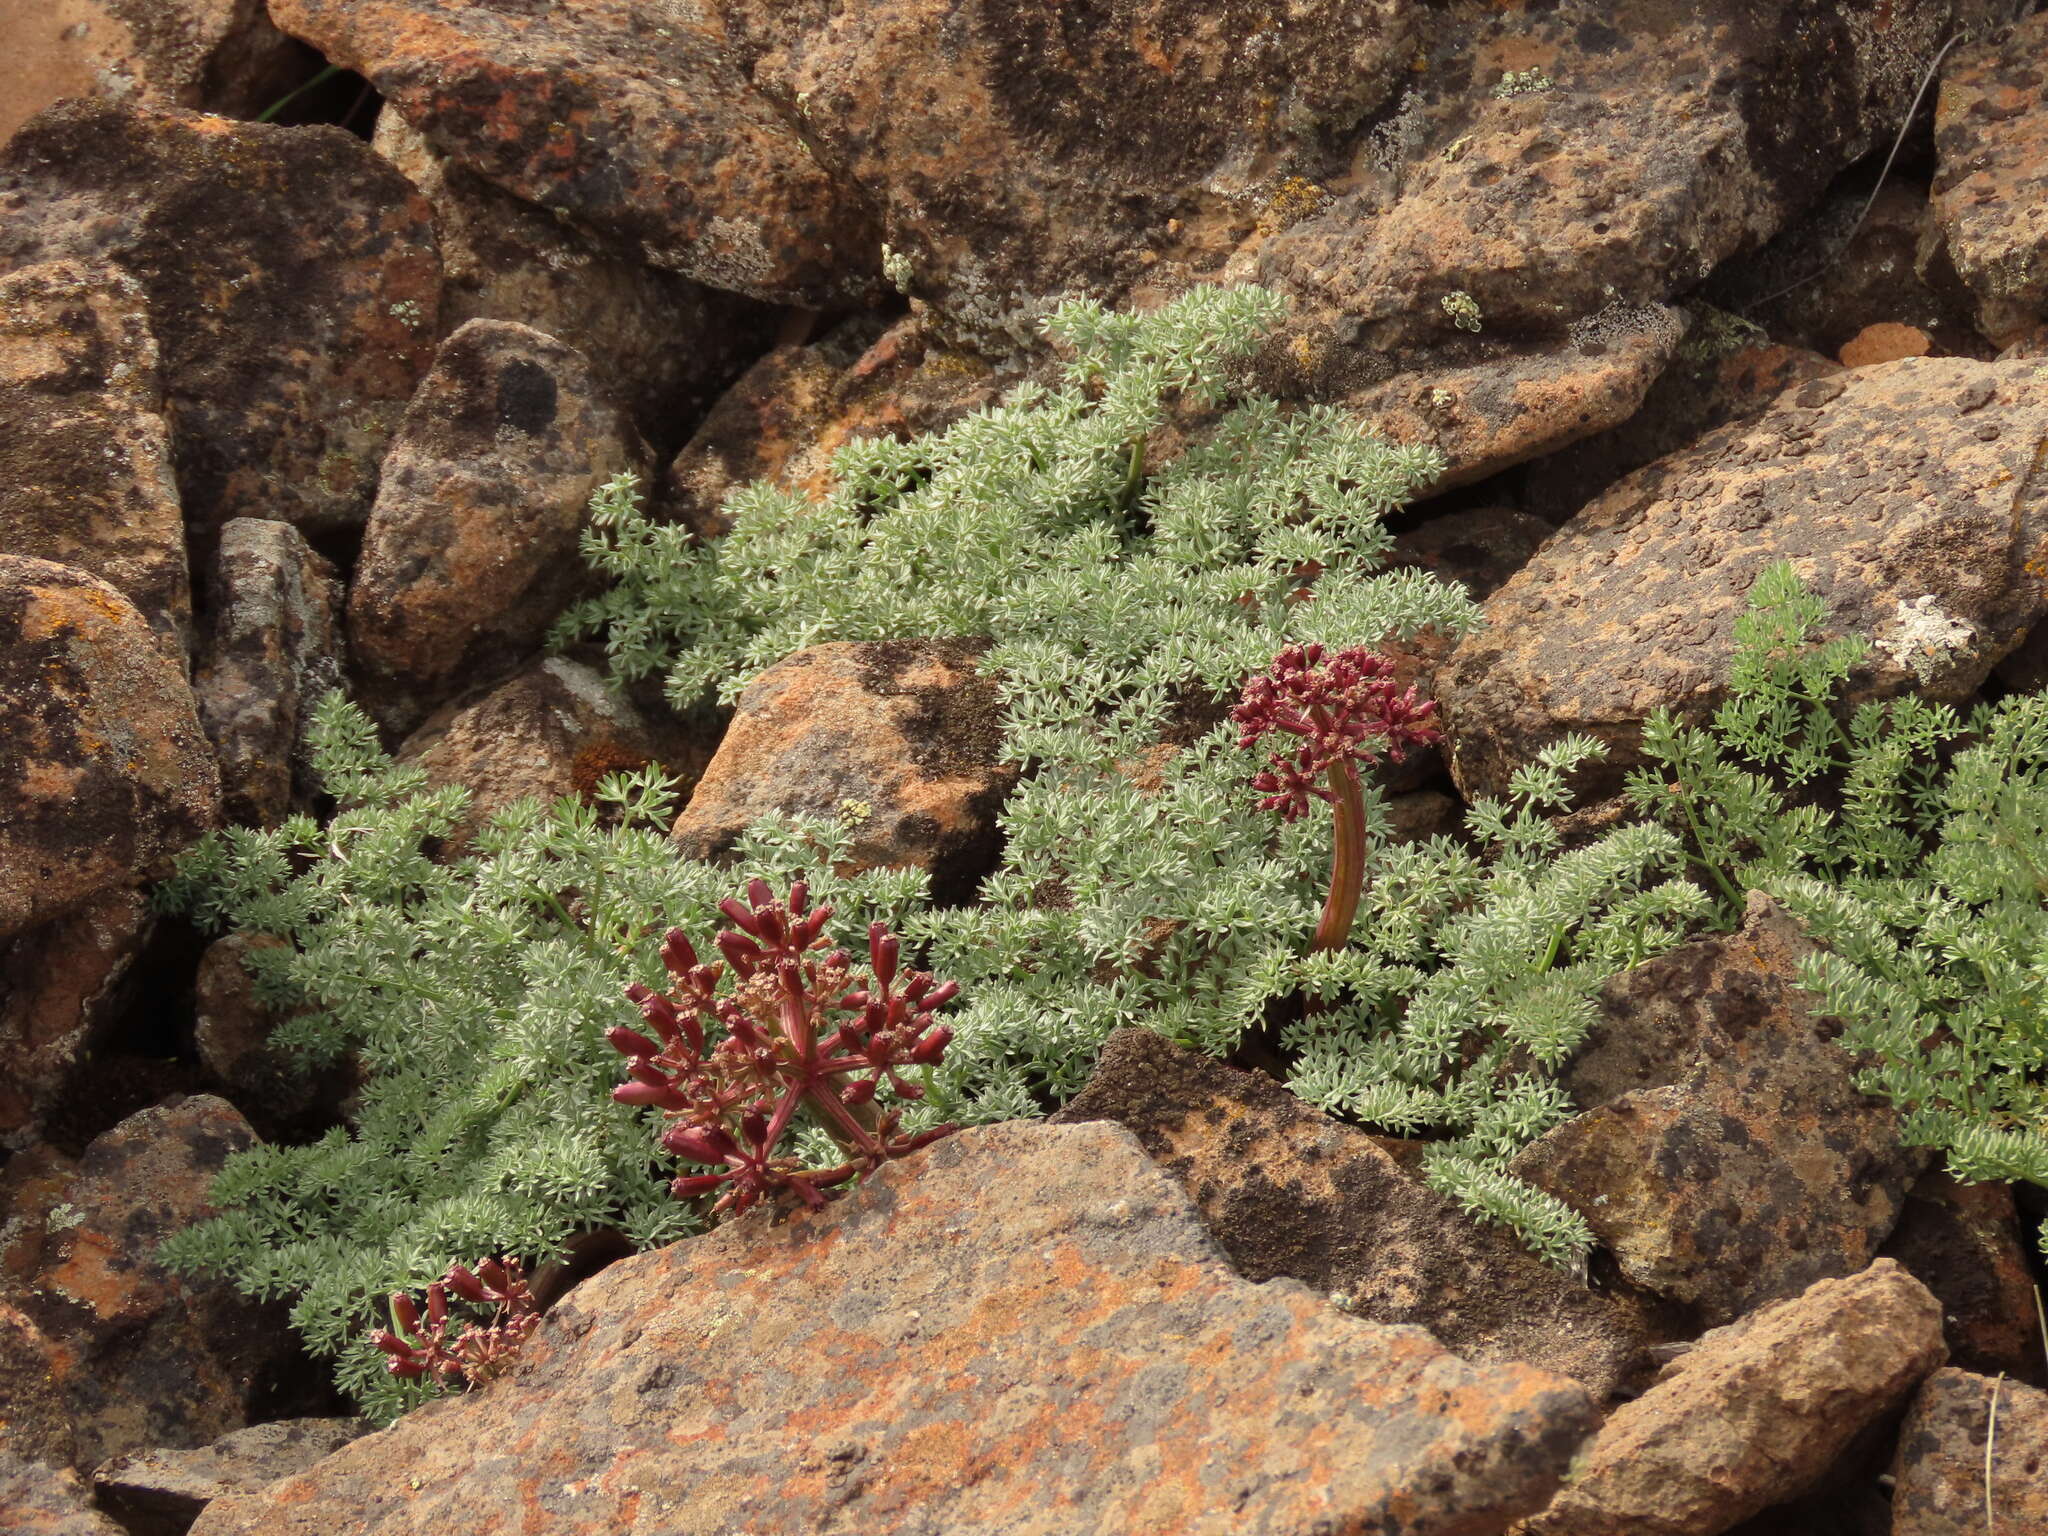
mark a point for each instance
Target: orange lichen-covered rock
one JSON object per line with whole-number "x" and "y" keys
{"x": 104, "y": 771}
{"x": 1023, "y": 1329}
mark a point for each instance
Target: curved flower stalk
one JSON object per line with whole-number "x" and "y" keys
{"x": 800, "y": 1032}
{"x": 1344, "y": 714}
{"x": 480, "y": 1352}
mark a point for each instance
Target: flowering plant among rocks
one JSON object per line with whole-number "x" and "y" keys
{"x": 799, "y": 1033}
{"x": 479, "y": 1352}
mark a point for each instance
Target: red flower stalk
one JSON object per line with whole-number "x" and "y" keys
{"x": 481, "y": 1351}
{"x": 1345, "y": 714}
{"x": 800, "y": 1031}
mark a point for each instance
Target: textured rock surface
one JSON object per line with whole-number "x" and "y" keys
{"x": 41, "y": 1500}
{"x": 231, "y": 1034}
{"x": 163, "y": 1491}
{"x": 1479, "y": 549}
{"x": 274, "y": 646}
{"x": 471, "y": 550}
{"x": 85, "y": 453}
{"x": 104, "y": 772}
{"x": 1288, "y": 1191}
{"x": 292, "y": 284}
{"x": 1884, "y": 486}
{"x": 898, "y": 738}
{"x": 1940, "y": 1489}
{"x": 1757, "y": 1172}
{"x": 1991, "y": 190}
{"x": 222, "y": 55}
{"x": 553, "y": 729}
{"x": 1022, "y": 1329}
{"x": 34, "y": 1423}
{"x": 1753, "y": 1414}
{"x": 143, "y": 1358}
{"x": 641, "y": 124}
{"x": 661, "y": 345}
{"x": 1962, "y": 1241}
{"x": 61, "y": 986}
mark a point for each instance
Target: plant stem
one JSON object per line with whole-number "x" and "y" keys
{"x": 1347, "y": 858}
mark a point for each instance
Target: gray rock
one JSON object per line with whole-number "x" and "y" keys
{"x": 160, "y": 1493}
{"x": 1939, "y": 1487}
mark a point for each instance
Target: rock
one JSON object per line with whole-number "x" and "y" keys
{"x": 1962, "y": 1242}
{"x": 85, "y": 453}
{"x": 62, "y": 985}
{"x": 1479, "y": 548}
{"x": 1885, "y": 342}
{"x": 1991, "y": 188}
{"x": 221, "y": 55}
{"x": 899, "y": 739}
{"x": 1941, "y": 1467}
{"x": 1025, "y": 1328}
{"x": 160, "y": 1493}
{"x": 553, "y": 729}
{"x": 650, "y": 133}
{"x": 471, "y": 551}
{"x": 274, "y": 646}
{"x": 796, "y": 406}
{"x": 1288, "y": 1191}
{"x": 1717, "y": 376}
{"x": 1757, "y": 1172}
{"x": 231, "y": 1033}
{"x": 1906, "y": 495}
{"x": 1753, "y": 1414}
{"x": 104, "y": 772}
{"x": 33, "y": 1422}
{"x": 661, "y": 345}
{"x": 42, "y": 1500}
{"x": 292, "y": 284}
{"x": 144, "y": 1358}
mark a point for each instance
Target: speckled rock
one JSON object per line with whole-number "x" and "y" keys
{"x": 1022, "y": 1329}
{"x": 1910, "y": 496}
{"x": 61, "y": 986}
{"x": 797, "y": 405}
{"x": 1714, "y": 379}
{"x": 104, "y": 772}
{"x": 471, "y": 550}
{"x": 1288, "y": 1191}
{"x": 33, "y": 1422}
{"x": 1940, "y": 1470}
{"x": 1754, "y": 1414}
{"x": 160, "y": 1493}
{"x": 1761, "y": 1169}
{"x": 641, "y": 124}
{"x": 552, "y": 729}
{"x": 292, "y": 283}
{"x": 661, "y": 345}
{"x": 1962, "y": 1241}
{"x": 145, "y": 1358}
{"x": 231, "y": 1035}
{"x": 85, "y": 453}
{"x": 42, "y": 1500}
{"x": 1885, "y": 342}
{"x": 1991, "y": 188}
{"x": 273, "y": 647}
{"x": 898, "y": 739}
{"x": 221, "y": 55}
{"x": 1479, "y": 548}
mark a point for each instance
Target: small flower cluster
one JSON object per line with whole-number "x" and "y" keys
{"x": 800, "y": 1032}
{"x": 479, "y": 1353}
{"x": 1339, "y": 713}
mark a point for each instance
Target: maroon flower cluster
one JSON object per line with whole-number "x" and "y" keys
{"x": 799, "y": 1032}
{"x": 480, "y": 1352}
{"x": 1349, "y": 711}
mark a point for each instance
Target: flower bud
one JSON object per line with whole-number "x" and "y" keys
{"x": 677, "y": 953}
{"x": 700, "y": 1144}
{"x": 859, "y": 1091}
{"x": 692, "y": 1185}
{"x": 883, "y": 949}
{"x": 405, "y": 1312}
{"x": 465, "y": 1284}
{"x": 630, "y": 1042}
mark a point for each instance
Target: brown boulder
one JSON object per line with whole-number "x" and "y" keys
{"x": 104, "y": 771}
{"x": 1022, "y": 1329}
{"x": 160, "y": 1493}
{"x": 1962, "y": 1241}
{"x": 292, "y": 284}
{"x": 471, "y": 551}
{"x": 1753, "y": 1414}
{"x": 42, "y": 1500}
{"x": 1960, "y": 1474}
{"x": 1906, "y": 495}
{"x": 898, "y": 739}
{"x": 1759, "y": 1171}
{"x": 642, "y": 125}
{"x": 1286, "y": 1190}
{"x": 85, "y": 453}
{"x": 34, "y": 1423}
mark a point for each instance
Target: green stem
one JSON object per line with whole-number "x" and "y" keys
{"x": 1134, "y": 476}
{"x": 1712, "y": 867}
